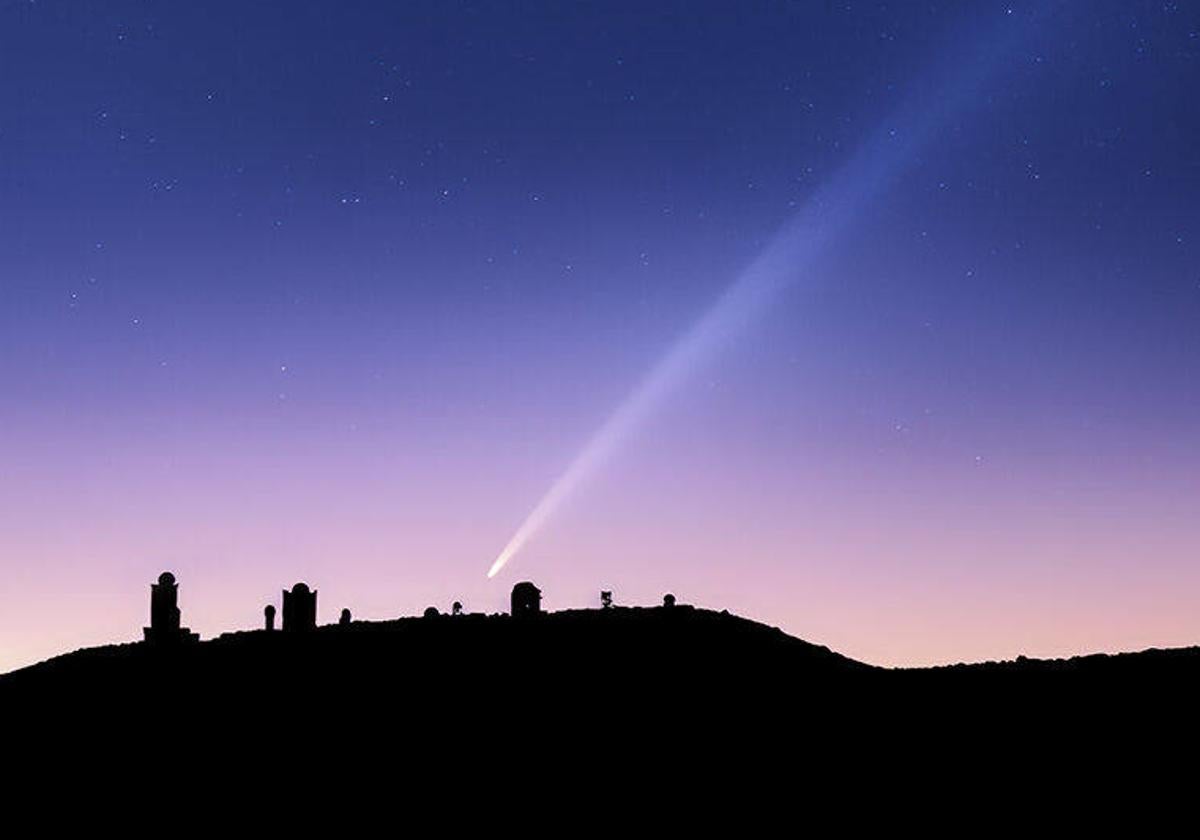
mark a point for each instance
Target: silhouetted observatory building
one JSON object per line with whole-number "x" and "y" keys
{"x": 526, "y": 599}
{"x": 299, "y": 609}
{"x": 164, "y": 614}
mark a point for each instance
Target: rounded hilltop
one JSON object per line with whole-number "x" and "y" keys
{"x": 671, "y": 641}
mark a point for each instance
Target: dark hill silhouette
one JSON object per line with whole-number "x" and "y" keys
{"x": 597, "y": 652}
{"x": 662, "y": 695}
{"x": 630, "y": 661}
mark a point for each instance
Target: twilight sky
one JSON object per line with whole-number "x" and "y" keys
{"x": 335, "y": 292}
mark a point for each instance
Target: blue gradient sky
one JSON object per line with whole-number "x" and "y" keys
{"x": 335, "y": 291}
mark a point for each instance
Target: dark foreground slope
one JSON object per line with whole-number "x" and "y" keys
{"x": 630, "y": 691}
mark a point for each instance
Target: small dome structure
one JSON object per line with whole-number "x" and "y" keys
{"x": 526, "y": 599}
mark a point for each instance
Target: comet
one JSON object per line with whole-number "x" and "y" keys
{"x": 788, "y": 258}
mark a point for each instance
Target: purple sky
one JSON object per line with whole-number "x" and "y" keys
{"x": 334, "y": 292}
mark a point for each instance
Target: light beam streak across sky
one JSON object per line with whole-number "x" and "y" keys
{"x": 789, "y": 257}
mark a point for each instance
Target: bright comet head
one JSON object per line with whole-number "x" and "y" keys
{"x": 498, "y": 565}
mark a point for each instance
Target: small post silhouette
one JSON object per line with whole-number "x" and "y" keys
{"x": 344, "y": 618}
{"x": 668, "y": 600}
{"x": 269, "y": 617}
{"x": 456, "y": 608}
{"x": 605, "y": 599}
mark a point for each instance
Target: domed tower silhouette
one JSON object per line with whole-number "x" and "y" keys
{"x": 299, "y": 609}
{"x": 526, "y": 599}
{"x": 164, "y": 613}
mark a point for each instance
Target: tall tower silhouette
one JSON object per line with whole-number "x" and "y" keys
{"x": 165, "y": 617}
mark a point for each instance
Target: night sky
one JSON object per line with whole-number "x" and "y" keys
{"x": 336, "y": 291}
